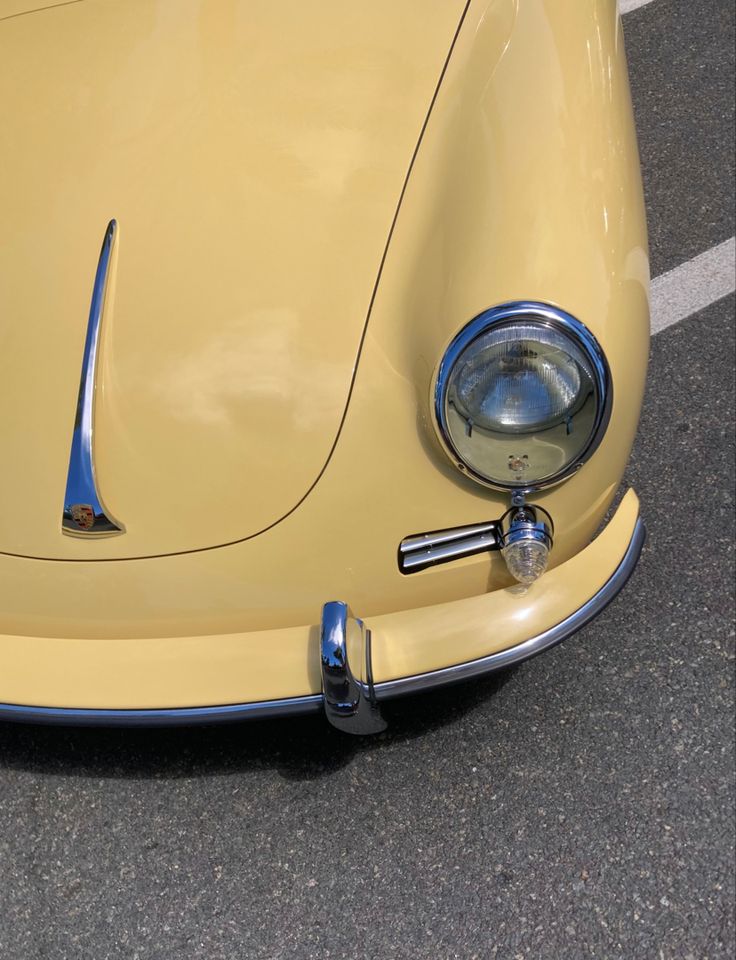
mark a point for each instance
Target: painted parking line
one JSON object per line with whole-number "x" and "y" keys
{"x": 694, "y": 285}
{"x": 626, "y": 6}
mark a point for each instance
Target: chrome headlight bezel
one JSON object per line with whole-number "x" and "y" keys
{"x": 545, "y": 315}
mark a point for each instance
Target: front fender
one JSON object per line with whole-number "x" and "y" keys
{"x": 526, "y": 186}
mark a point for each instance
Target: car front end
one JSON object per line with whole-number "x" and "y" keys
{"x": 362, "y": 368}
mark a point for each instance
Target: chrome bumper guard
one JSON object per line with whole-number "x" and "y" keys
{"x": 350, "y": 697}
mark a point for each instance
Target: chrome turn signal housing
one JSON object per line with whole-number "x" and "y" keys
{"x": 526, "y": 541}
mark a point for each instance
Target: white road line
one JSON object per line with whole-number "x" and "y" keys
{"x": 694, "y": 285}
{"x": 626, "y": 6}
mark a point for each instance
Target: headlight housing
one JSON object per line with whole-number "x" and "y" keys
{"x": 522, "y": 396}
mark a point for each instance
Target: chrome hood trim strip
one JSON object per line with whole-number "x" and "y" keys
{"x": 84, "y": 514}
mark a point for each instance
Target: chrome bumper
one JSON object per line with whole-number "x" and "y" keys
{"x": 350, "y": 698}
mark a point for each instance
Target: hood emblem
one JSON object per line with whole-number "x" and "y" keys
{"x": 84, "y": 514}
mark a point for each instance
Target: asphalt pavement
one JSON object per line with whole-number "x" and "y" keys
{"x": 580, "y": 805}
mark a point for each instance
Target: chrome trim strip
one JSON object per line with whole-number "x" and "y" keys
{"x": 312, "y": 703}
{"x": 509, "y": 313}
{"x": 172, "y": 717}
{"x": 428, "y": 549}
{"x": 531, "y": 647}
{"x": 350, "y": 702}
{"x": 84, "y": 514}
{"x": 422, "y": 540}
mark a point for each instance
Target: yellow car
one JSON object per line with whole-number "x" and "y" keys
{"x": 309, "y": 308}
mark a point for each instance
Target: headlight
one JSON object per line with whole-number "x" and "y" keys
{"x": 522, "y": 396}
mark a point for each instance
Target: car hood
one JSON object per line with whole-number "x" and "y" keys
{"x": 16, "y": 8}
{"x": 253, "y": 155}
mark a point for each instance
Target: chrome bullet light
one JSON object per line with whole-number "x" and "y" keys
{"x": 526, "y": 541}
{"x": 522, "y": 396}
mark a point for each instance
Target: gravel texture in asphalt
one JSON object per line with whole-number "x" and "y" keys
{"x": 580, "y": 805}
{"x": 681, "y": 63}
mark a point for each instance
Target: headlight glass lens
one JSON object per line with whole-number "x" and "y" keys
{"x": 520, "y": 378}
{"x": 521, "y": 397}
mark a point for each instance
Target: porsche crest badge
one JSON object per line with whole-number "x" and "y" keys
{"x": 83, "y": 515}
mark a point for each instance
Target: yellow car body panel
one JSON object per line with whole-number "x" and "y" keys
{"x": 253, "y": 155}
{"x": 273, "y": 665}
{"x": 525, "y": 186}
{"x": 19, "y": 8}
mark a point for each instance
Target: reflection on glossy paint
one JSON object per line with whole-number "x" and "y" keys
{"x": 331, "y": 157}
{"x": 520, "y": 614}
{"x": 251, "y": 369}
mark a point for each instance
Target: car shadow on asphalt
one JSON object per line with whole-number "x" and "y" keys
{"x": 300, "y": 749}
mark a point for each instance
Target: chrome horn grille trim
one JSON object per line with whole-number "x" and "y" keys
{"x": 428, "y": 549}
{"x": 84, "y": 514}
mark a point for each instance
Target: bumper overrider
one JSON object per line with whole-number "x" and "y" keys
{"x": 505, "y": 627}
